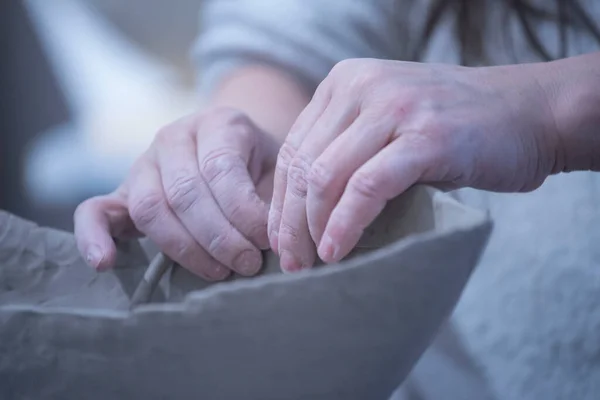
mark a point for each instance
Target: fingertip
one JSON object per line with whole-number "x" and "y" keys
{"x": 339, "y": 239}
{"x": 99, "y": 258}
{"x": 248, "y": 263}
{"x": 289, "y": 263}
{"x": 328, "y": 250}
{"x": 96, "y": 220}
{"x": 93, "y": 256}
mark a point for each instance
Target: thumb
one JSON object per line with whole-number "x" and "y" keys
{"x": 97, "y": 221}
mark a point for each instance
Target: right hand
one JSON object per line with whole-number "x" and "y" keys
{"x": 198, "y": 193}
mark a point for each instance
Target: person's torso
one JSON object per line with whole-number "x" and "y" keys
{"x": 531, "y": 313}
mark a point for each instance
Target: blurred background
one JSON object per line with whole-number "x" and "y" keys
{"x": 84, "y": 85}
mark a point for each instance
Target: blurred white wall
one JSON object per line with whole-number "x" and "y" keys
{"x": 119, "y": 94}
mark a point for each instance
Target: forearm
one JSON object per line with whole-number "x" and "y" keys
{"x": 573, "y": 89}
{"x": 269, "y": 96}
{"x": 300, "y": 37}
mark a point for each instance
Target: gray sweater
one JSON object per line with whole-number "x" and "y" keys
{"x": 531, "y": 313}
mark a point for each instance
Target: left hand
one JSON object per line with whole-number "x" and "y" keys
{"x": 374, "y": 128}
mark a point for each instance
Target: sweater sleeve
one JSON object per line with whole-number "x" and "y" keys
{"x": 304, "y": 37}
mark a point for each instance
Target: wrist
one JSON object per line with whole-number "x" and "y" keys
{"x": 572, "y": 89}
{"x": 272, "y": 98}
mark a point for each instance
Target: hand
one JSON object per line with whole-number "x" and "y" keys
{"x": 374, "y": 128}
{"x": 198, "y": 193}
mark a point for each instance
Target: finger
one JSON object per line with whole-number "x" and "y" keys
{"x": 388, "y": 174}
{"x": 336, "y": 164}
{"x": 296, "y": 249}
{"x": 296, "y": 246}
{"x": 151, "y": 215}
{"x": 191, "y": 201}
{"x": 310, "y": 115}
{"x": 224, "y": 157}
{"x": 97, "y": 221}
{"x": 303, "y": 124}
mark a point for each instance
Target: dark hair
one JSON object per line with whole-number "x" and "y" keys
{"x": 471, "y": 22}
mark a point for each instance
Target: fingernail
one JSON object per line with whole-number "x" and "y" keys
{"x": 248, "y": 262}
{"x": 328, "y": 251}
{"x": 289, "y": 263}
{"x": 94, "y": 256}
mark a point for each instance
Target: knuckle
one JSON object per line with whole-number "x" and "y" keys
{"x": 362, "y": 80}
{"x": 257, "y": 231}
{"x": 227, "y": 116}
{"x": 319, "y": 178}
{"x": 166, "y": 134}
{"x": 163, "y": 134}
{"x": 286, "y": 154}
{"x": 244, "y": 132}
{"x": 250, "y": 218}
{"x": 323, "y": 91}
{"x": 229, "y": 121}
{"x": 139, "y": 165}
{"x": 366, "y": 184}
{"x": 219, "y": 244}
{"x": 182, "y": 250}
{"x": 238, "y": 212}
{"x": 86, "y": 207}
{"x": 284, "y": 158}
{"x": 288, "y": 234}
{"x": 435, "y": 137}
{"x": 344, "y": 66}
{"x": 365, "y": 75}
{"x": 218, "y": 164}
{"x": 240, "y": 206}
{"x": 176, "y": 129}
{"x": 431, "y": 142}
{"x": 182, "y": 193}
{"x": 146, "y": 209}
{"x": 248, "y": 223}
{"x": 396, "y": 110}
{"x": 246, "y": 212}
{"x": 297, "y": 176}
